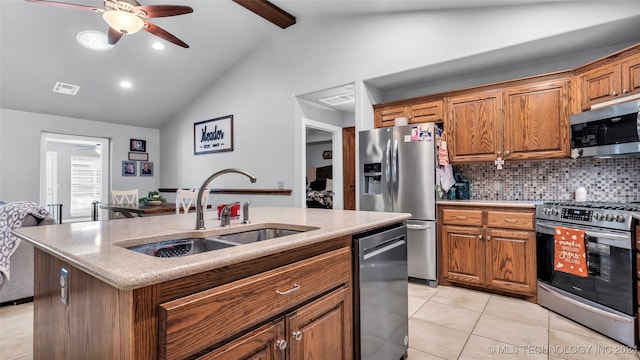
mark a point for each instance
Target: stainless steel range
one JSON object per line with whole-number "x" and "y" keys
{"x": 605, "y": 298}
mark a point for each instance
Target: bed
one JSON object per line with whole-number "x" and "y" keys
{"x": 320, "y": 191}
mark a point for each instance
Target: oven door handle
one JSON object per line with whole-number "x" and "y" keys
{"x": 605, "y": 238}
{"x": 584, "y": 306}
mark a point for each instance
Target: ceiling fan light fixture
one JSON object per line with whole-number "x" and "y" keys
{"x": 125, "y": 22}
{"x": 93, "y": 40}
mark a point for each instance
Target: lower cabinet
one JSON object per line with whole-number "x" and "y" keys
{"x": 318, "y": 330}
{"x": 310, "y": 300}
{"x": 490, "y": 248}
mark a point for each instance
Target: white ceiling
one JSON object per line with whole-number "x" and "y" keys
{"x": 38, "y": 49}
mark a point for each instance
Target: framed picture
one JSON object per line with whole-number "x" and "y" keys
{"x": 128, "y": 168}
{"x": 138, "y": 156}
{"x": 146, "y": 168}
{"x": 138, "y": 145}
{"x": 215, "y": 135}
{"x": 327, "y": 154}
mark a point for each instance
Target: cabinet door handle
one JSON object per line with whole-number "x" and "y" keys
{"x": 488, "y": 237}
{"x": 615, "y": 93}
{"x": 294, "y": 288}
{"x": 507, "y": 152}
{"x": 513, "y": 221}
{"x": 499, "y": 153}
{"x": 480, "y": 237}
{"x": 460, "y": 217}
{"x": 281, "y": 344}
{"x": 297, "y": 335}
{"x": 625, "y": 91}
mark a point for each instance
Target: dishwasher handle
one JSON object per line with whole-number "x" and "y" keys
{"x": 384, "y": 247}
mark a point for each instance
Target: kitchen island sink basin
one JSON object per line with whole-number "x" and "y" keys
{"x": 193, "y": 245}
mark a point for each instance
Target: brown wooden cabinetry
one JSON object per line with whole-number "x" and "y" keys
{"x": 488, "y": 248}
{"x": 610, "y": 81}
{"x": 528, "y": 121}
{"x": 417, "y": 112}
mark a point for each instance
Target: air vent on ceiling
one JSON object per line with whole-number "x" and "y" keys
{"x": 68, "y": 89}
{"x": 339, "y": 99}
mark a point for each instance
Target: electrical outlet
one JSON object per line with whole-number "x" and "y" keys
{"x": 64, "y": 286}
{"x": 497, "y": 186}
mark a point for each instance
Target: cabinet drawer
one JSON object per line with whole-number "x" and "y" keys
{"x": 462, "y": 217}
{"x": 510, "y": 220}
{"x": 196, "y": 322}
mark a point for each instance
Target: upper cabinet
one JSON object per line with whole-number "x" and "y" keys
{"x": 420, "y": 112}
{"x": 474, "y": 126}
{"x": 536, "y": 124}
{"x": 610, "y": 81}
{"x": 518, "y": 122}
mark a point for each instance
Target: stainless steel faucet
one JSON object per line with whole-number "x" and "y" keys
{"x": 225, "y": 214}
{"x": 199, "y": 210}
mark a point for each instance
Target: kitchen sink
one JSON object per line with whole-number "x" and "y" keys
{"x": 250, "y": 236}
{"x": 191, "y": 246}
{"x": 181, "y": 247}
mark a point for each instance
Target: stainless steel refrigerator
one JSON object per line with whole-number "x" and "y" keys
{"x": 397, "y": 174}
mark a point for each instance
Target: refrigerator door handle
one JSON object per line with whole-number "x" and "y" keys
{"x": 388, "y": 172}
{"x": 395, "y": 172}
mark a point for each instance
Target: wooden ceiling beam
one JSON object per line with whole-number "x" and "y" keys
{"x": 269, "y": 12}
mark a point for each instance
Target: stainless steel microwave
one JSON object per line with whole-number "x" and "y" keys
{"x": 608, "y": 131}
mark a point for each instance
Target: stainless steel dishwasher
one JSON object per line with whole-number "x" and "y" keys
{"x": 381, "y": 296}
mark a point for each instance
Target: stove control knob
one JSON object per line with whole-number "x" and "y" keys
{"x": 554, "y": 212}
{"x": 599, "y": 216}
{"x": 620, "y": 218}
{"x": 609, "y": 217}
{"x": 547, "y": 211}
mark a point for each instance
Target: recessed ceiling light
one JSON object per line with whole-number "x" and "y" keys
{"x": 158, "y": 45}
{"x": 93, "y": 40}
{"x": 125, "y": 84}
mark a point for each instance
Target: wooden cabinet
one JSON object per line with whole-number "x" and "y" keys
{"x": 488, "y": 248}
{"x": 610, "y": 81}
{"x": 536, "y": 122}
{"x": 473, "y": 126}
{"x": 196, "y": 322}
{"x": 519, "y": 122}
{"x": 318, "y": 330}
{"x": 417, "y": 112}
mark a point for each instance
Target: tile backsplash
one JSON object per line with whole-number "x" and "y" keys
{"x": 614, "y": 179}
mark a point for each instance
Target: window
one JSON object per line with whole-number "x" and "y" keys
{"x": 86, "y": 184}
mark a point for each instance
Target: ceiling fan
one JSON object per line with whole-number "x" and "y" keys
{"x": 128, "y": 17}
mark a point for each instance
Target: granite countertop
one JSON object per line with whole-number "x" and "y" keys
{"x": 503, "y": 203}
{"x": 98, "y": 247}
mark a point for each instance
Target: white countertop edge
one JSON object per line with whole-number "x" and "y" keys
{"x": 505, "y": 203}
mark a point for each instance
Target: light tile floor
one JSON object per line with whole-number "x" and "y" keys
{"x": 444, "y": 323}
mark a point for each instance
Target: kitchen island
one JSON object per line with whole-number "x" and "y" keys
{"x": 238, "y": 300}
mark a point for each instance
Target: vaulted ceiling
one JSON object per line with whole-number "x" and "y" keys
{"x": 39, "y": 48}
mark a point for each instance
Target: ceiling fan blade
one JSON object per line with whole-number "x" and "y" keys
{"x": 155, "y": 11}
{"x": 113, "y": 36}
{"x": 158, "y": 31}
{"x": 268, "y": 11}
{"x": 66, "y": 5}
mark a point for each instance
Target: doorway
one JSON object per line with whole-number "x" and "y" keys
{"x": 74, "y": 172}
{"x": 334, "y": 142}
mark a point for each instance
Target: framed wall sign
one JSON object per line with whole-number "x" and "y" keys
{"x": 138, "y": 156}
{"x": 215, "y": 135}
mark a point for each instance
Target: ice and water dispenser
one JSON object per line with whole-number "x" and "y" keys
{"x": 372, "y": 179}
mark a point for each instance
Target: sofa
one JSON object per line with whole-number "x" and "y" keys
{"x": 20, "y": 284}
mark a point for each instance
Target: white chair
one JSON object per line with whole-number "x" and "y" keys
{"x": 186, "y": 198}
{"x": 124, "y": 197}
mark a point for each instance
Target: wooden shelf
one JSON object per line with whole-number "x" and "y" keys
{"x": 238, "y": 191}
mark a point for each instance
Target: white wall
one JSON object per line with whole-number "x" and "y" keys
{"x": 20, "y": 151}
{"x": 259, "y": 91}
{"x": 314, "y": 156}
